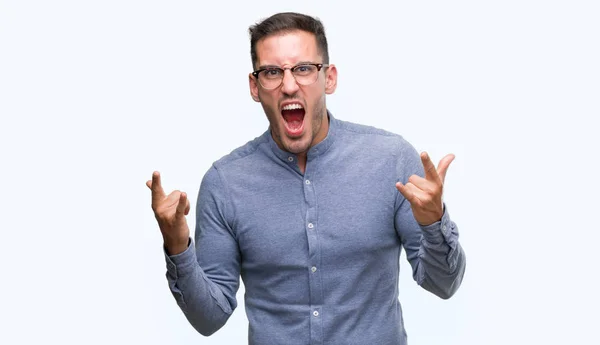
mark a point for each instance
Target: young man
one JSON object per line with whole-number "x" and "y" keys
{"x": 312, "y": 214}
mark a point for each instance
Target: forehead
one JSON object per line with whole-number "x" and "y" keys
{"x": 287, "y": 48}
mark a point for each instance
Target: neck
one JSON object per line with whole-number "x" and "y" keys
{"x": 302, "y": 161}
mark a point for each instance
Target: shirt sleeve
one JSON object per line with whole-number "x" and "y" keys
{"x": 204, "y": 279}
{"x": 433, "y": 251}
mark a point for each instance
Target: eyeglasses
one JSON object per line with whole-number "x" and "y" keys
{"x": 305, "y": 74}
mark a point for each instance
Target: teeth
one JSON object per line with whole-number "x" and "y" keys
{"x": 292, "y": 106}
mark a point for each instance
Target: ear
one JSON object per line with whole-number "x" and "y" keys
{"x": 330, "y": 79}
{"x": 253, "y": 87}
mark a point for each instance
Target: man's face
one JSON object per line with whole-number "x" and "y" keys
{"x": 297, "y": 113}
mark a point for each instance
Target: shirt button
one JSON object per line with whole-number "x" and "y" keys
{"x": 307, "y": 181}
{"x": 315, "y": 313}
{"x": 290, "y": 159}
{"x": 314, "y": 269}
{"x": 310, "y": 225}
{"x": 443, "y": 227}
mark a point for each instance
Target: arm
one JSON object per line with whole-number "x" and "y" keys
{"x": 435, "y": 255}
{"x": 423, "y": 223}
{"x": 204, "y": 278}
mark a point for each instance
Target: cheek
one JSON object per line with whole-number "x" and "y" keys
{"x": 269, "y": 106}
{"x": 268, "y": 99}
{"x": 314, "y": 101}
{"x": 318, "y": 102}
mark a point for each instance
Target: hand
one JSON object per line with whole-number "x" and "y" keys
{"x": 170, "y": 212}
{"x": 425, "y": 194}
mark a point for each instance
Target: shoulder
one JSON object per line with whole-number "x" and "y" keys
{"x": 384, "y": 144}
{"x": 242, "y": 154}
{"x": 374, "y": 138}
{"x": 237, "y": 161}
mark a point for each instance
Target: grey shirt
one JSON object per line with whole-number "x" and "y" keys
{"x": 318, "y": 252}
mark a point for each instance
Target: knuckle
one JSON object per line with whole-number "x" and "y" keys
{"x": 417, "y": 202}
{"x": 433, "y": 188}
{"x": 161, "y": 213}
{"x": 158, "y": 210}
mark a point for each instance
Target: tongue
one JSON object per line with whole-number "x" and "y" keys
{"x": 294, "y": 117}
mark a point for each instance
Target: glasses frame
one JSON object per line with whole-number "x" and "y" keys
{"x": 319, "y": 66}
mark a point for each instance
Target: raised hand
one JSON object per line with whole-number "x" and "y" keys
{"x": 425, "y": 194}
{"x": 170, "y": 211}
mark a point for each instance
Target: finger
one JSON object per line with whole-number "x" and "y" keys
{"x": 443, "y": 166}
{"x": 157, "y": 191}
{"x": 423, "y": 184}
{"x": 430, "y": 172}
{"x": 409, "y": 192}
{"x": 149, "y": 184}
{"x": 181, "y": 205}
{"x": 419, "y": 196}
{"x": 187, "y": 207}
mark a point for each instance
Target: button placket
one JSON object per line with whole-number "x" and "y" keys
{"x": 314, "y": 256}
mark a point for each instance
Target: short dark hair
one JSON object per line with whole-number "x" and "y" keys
{"x": 286, "y": 22}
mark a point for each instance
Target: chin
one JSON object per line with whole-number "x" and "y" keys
{"x": 297, "y": 145}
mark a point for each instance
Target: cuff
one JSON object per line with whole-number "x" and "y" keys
{"x": 439, "y": 231}
{"x": 176, "y": 264}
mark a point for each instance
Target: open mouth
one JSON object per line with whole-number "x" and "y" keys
{"x": 293, "y": 118}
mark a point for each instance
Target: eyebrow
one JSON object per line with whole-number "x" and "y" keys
{"x": 275, "y": 66}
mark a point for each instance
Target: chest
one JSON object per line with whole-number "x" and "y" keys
{"x": 326, "y": 214}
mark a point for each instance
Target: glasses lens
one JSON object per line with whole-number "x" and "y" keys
{"x": 305, "y": 74}
{"x": 270, "y": 78}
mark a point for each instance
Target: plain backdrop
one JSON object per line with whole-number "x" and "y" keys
{"x": 96, "y": 95}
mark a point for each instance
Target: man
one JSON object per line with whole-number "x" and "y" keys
{"x": 312, "y": 214}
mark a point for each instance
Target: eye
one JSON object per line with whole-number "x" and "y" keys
{"x": 272, "y": 73}
{"x": 304, "y": 69}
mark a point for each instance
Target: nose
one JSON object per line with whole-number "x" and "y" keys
{"x": 289, "y": 85}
